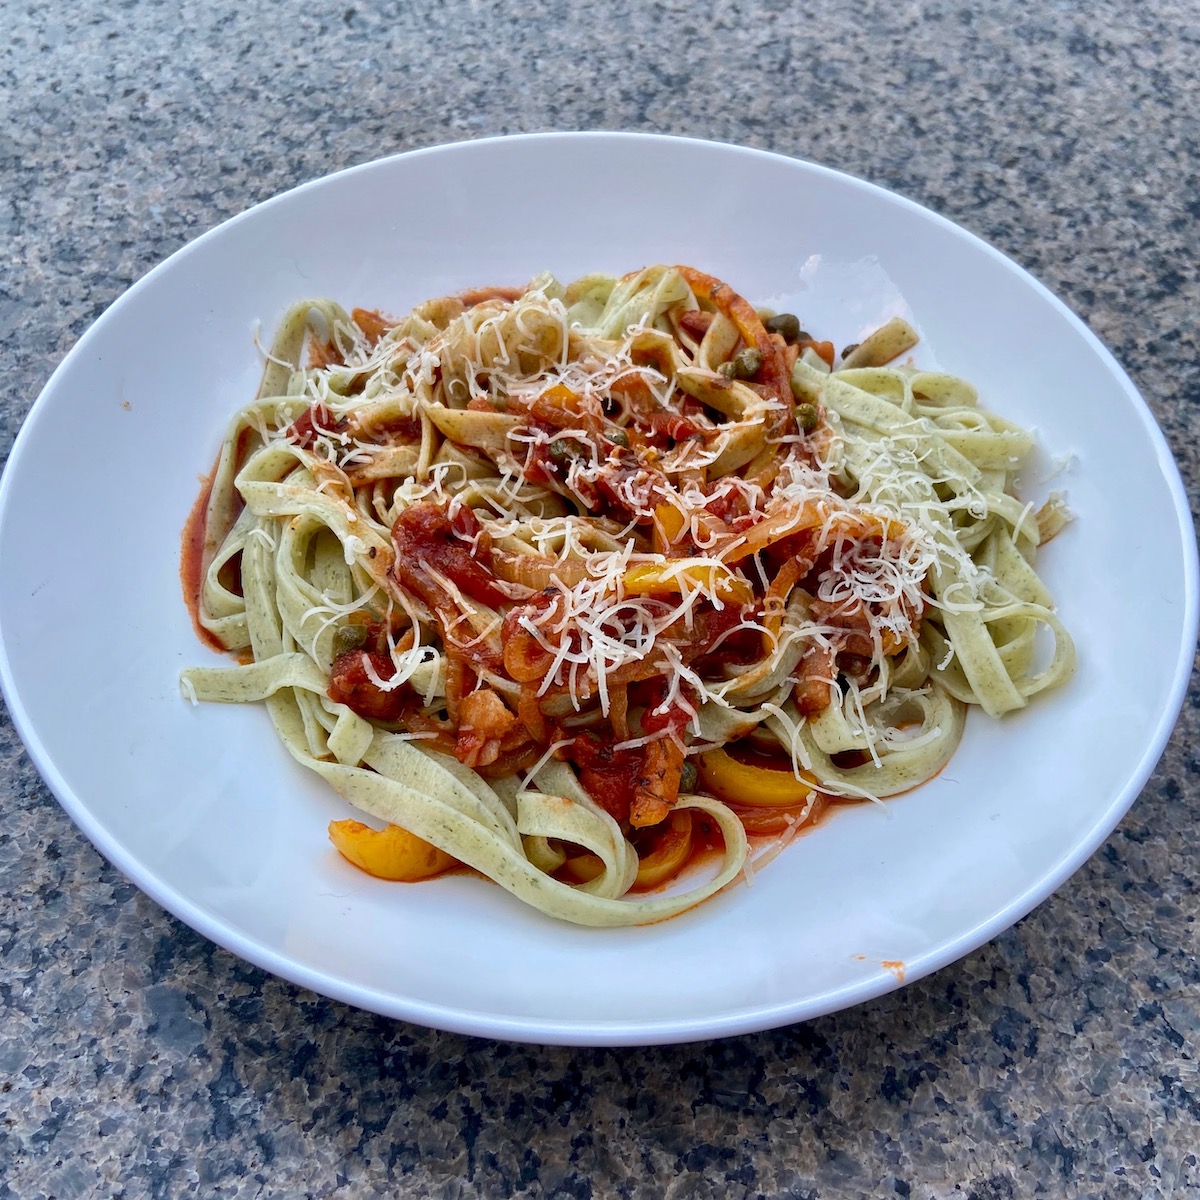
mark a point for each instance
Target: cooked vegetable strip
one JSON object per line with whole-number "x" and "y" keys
{"x": 577, "y": 586}
{"x": 388, "y": 853}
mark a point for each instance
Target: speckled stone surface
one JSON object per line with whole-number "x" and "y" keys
{"x": 136, "y": 1059}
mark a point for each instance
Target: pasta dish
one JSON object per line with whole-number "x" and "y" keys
{"x": 606, "y": 590}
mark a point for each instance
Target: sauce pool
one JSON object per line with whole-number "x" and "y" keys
{"x": 191, "y": 560}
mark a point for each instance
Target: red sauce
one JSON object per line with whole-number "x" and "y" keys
{"x": 191, "y": 559}
{"x": 306, "y": 427}
{"x": 609, "y": 776}
{"x": 474, "y": 296}
{"x": 626, "y": 471}
{"x": 323, "y": 354}
{"x": 349, "y": 684}
{"x": 672, "y": 425}
{"x": 424, "y": 534}
{"x": 676, "y": 717}
{"x": 373, "y": 324}
{"x": 764, "y": 824}
{"x": 696, "y": 322}
{"x": 713, "y": 625}
{"x": 708, "y": 847}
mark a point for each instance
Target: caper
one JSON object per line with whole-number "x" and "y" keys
{"x": 807, "y": 417}
{"x": 347, "y": 638}
{"x": 618, "y": 437}
{"x": 743, "y": 365}
{"x": 560, "y": 451}
{"x": 688, "y": 777}
{"x": 747, "y": 362}
{"x": 785, "y": 324}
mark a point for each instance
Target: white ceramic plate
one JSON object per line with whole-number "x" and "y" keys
{"x": 203, "y": 809}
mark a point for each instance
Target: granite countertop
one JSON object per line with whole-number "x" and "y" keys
{"x": 137, "y": 1059}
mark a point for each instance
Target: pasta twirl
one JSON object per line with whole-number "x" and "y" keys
{"x": 573, "y": 582}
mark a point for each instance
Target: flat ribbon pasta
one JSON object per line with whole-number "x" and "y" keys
{"x": 504, "y": 570}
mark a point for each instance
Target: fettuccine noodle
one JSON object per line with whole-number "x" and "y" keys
{"x": 570, "y": 584}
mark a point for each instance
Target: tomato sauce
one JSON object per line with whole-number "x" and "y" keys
{"x": 473, "y": 296}
{"x": 351, "y": 685}
{"x": 609, "y": 776}
{"x": 424, "y": 534}
{"x": 191, "y": 559}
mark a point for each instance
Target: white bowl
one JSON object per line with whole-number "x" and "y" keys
{"x": 202, "y": 808}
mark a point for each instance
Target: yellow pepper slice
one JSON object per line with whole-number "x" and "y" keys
{"x": 666, "y": 860}
{"x": 668, "y": 524}
{"x": 584, "y": 867}
{"x": 741, "y": 783}
{"x": 388, "y": 853}
{"x": 561, "y": 396}
{"x": 670, "y": 854}
{"x": 656, "y": 579}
